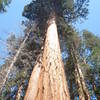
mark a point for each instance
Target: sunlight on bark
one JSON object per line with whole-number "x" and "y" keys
{"x": 52, "y": 34}
{"x": 51, "y": 83}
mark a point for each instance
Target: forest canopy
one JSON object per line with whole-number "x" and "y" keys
{"x": 35, "y": 62}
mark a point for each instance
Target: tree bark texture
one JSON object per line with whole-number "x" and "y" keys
{"x": 33, "y": 82}
{"x": 51, "y": 83}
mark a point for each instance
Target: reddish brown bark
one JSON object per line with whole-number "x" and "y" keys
{"x": 51, "y": 82}
{"x": 33, "y": 83}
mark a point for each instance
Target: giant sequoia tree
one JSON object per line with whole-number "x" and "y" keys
{"x": 48, "y": 80}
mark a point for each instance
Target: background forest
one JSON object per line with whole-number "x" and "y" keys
{"x": 22, "y": 49}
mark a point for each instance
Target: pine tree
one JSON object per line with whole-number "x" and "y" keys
{"x": 73, "y": 45}
{"x": 51, "y": 80}
{"x": 91, "y": 54}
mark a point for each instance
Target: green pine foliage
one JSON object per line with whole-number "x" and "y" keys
{"x": 92, "y": 45}
{"x": 3, "y": 4}
{"x": 66, "y": 10}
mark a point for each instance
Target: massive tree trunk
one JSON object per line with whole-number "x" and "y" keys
{"x": 51, "y": 83}
{"x": 82, "y": 89}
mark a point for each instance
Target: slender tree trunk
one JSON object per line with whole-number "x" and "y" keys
{"x": 71, "y": 90}
{"x": 52, "y": 82}
{"x": 18, "y": 96}
{"x": 82, "y": 96}
{"x": 82, "y": 89}
{"x": 95, "y": 89}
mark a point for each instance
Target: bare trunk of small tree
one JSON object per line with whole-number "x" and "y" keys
{"x": 82, "y": 89}
{"x": 83, "y": 85}
{"x": 51, "y": 82}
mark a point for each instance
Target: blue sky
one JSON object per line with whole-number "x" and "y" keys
{"x": 93, "y": 22}
{"x": 10, "y": 22}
